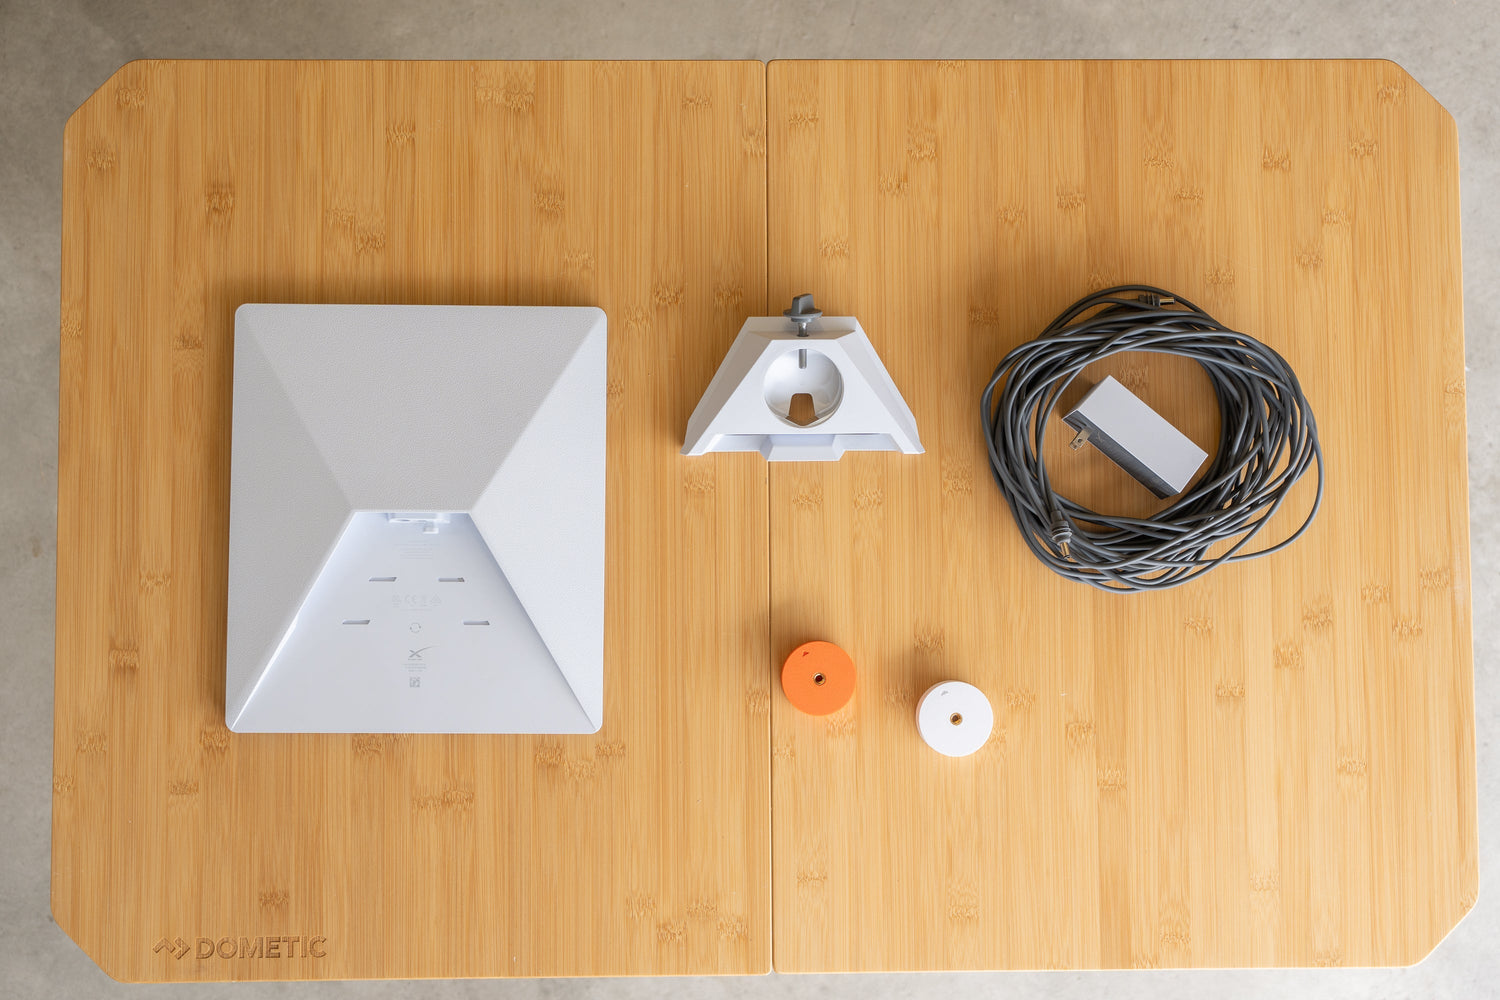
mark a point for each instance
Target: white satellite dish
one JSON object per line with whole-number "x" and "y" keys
{"x": 416, "y": 539}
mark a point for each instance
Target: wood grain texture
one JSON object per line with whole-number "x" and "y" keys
{"x": 193, "y": 187}
{"x": 1273, "y": 766}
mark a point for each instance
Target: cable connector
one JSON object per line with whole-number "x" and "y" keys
{"x": 1062, "y": 532}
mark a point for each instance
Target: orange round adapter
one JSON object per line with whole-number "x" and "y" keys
{"x": 818, "y": 678}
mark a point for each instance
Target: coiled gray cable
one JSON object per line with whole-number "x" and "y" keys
{"x": 1267, "y": 440}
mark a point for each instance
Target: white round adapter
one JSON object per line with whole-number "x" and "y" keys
{"x": 955, "y": 718}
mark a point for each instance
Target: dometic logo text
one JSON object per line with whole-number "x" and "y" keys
{"x": 294, "y": 946}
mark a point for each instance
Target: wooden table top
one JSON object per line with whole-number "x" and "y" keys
{"x": 192, "y": 187}
{"x": 1273, "y": 766}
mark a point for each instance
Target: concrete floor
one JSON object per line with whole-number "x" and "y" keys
{"x": 53, "y": 53}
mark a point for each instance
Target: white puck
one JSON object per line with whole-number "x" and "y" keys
{"x": 955, "y": 718}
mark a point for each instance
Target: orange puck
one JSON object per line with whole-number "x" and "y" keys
{"x": 818, "y": 678}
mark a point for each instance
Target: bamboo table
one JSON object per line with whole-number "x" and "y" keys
{"x": 192, "y": 187}
{"x": 1274, "y": 766}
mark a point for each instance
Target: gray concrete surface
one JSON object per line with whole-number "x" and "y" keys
{"x": 53, "y": 54}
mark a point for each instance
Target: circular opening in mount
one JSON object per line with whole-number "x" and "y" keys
{"x": 956, "y": 718}
{"x": 819, "y": 679}
{"x": 803, "y": 371}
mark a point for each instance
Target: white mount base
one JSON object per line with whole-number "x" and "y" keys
{"x": 855, "y": 405}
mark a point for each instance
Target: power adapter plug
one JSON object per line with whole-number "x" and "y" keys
{"x": 1135, "y": 437}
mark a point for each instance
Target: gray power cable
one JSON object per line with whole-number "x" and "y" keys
{"x": 1267, "y": 440}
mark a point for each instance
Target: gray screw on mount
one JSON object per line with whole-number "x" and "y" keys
{"x": 802, "y": 313}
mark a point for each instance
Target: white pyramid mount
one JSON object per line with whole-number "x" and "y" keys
{"x": 748, "y": 405}
{"x": 417, "y": 520}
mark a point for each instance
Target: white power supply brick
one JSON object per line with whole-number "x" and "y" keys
{"x": 1135, "y": 437}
